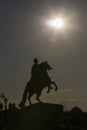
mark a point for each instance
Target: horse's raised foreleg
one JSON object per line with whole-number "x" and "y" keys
{"x": 54, "y": 85}
{"x": 37, "y": 97}
{"x": 49, "y": 88}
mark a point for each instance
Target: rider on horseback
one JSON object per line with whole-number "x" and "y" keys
{"x": 35, "y": 67}
{"x": 36, "y": 73}
{"x": 39, "y": 80}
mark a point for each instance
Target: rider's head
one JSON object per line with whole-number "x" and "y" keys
{"x": 35, "y": 60}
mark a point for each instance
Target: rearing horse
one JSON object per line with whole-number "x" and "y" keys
{"x": 35, "y": 86}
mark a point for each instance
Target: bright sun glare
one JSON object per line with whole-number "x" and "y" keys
{"x": 56, "y": 23}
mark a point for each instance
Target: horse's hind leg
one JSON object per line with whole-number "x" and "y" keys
{"x": 30, "y": 95}
{"x": 37, "y": 97}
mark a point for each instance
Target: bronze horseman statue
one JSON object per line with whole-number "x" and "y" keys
{"x": 38, "y": 81}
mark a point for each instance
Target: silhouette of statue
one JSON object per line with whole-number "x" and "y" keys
{"x": 39, "y": 80}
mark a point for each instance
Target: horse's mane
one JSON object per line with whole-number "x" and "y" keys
{"x": 45, "y": 62}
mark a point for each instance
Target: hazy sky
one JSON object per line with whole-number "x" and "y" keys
{"x": 25, "y": 35}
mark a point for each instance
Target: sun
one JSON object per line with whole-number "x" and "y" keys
{"x": 56, "y": 23}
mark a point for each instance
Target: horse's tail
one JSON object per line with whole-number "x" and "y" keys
{"x": 27, "y": 84}
{"x": 24, "y": 97}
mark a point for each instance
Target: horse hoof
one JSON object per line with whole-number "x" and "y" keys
{"x": 41, "y": 102}
{"x": 48, "y": 91}
{"x": 56, "y": 89}
{"x": 21, "y": 105}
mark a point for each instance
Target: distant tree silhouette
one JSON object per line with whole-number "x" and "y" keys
{"x": 5, "y": 102}
{"x": 2, "y": 95}
{"x": 10, "y": 105}
{"x": 14, "y": 105}
{"x": 1, "y": 106}
{"x": 5, "y": 99}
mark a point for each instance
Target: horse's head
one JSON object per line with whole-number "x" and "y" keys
{"x": 46, "y": 66}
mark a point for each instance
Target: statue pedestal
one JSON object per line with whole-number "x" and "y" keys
{"x": 37, "y": 117}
